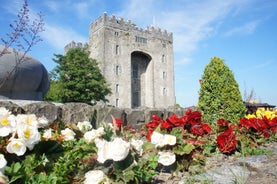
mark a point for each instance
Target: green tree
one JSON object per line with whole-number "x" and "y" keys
{"x": 77, "y": 78}
{"x": 219, "y": 95}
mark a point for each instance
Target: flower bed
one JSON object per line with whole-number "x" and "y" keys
{"x": 36, "y": 151}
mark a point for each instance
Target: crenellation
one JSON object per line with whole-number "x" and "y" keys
{"x": 74, "y": 45}
{"x": 119, "y": 23}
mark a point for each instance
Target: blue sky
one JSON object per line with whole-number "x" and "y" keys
{"x": 242, "y": 32}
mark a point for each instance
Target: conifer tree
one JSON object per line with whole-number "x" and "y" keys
{"x": 219, "y": 95}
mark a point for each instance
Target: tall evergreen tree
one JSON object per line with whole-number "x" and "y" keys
{"x": 219, "y": 95}
{"x": 78, "y": 77}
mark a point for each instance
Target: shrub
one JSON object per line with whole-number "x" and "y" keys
{"x": 219, "y": 95}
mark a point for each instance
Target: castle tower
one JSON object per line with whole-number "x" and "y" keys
{"x": 138, "y": 64}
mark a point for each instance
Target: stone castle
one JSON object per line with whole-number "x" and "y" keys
{"x": 138, "y": 64}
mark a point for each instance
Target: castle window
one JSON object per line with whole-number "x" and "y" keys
{"x": 164, "y": 75}
{"x": 164, "y": 91}
{"x": 117, "y": 102}
{"x": 163, "y": 58}
{"x": 115, "y": 33}
{"x": 117, "y": 70}
{"x": 164, "y": 45}
{"x": 116, "y": 88}
{"x": 141, "y": 39}
{"x": 117, "y": 49}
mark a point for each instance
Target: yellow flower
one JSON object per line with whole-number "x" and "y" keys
{"x": 249, "y": 116}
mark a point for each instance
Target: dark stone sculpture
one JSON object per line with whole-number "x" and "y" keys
{"x": 22, "y": 77}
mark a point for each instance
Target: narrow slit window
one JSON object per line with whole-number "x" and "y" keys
{"x": 163, "y": 58}
{"x": 116, "y": 88}
{"x": 117, "y": 70}
{"x": 117, "y": 49}
{"x": 164, "y": 91}
{"x": 164, "y": 75}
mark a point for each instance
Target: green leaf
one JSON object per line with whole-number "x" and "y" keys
{"x": 183, "y": 149}
{"x": 177, "y": 132}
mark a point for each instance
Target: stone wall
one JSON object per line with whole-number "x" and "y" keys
{"x": 75, "y": 112}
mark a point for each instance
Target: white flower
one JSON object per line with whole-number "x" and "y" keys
{"x": 137, "y": 144}
{"x": 84, "y": 126}
{"x": 29, "y": 119}
{"x": 68, "y": 134}
{"x": 96, "y": 177}
{"x": 119, "y": 149}
{"x": 17, "y": 146}
{"x": 29, "y": 134}
{"x": 3, "y": 163}
{"x": 166, "y": 158}
{"x": 90, "y": 136}
{"x": 47, "y": 134}
{"x": 157, "y": 139}
{"x": 7, "y": 122}
{"x": 102, "y": 150}
{"x": 162, "y": 139}
{"x": 169, "y": 139}
{"x": 116, "y": 150}
{"x": 100, "y": 131}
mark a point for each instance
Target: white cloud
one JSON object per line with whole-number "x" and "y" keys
{"x": 190, "y": 21}
{"x": 246, "y": 29}
{"x": 58, "y": 36}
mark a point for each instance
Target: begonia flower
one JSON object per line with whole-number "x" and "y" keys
{"x": 17, "y": 146}
{"x": 29, "y": 119}
{"x": 96, "y": 176}
{"x": 169, "y": 139}
{"x": 166, "y": 158}
{"x": 119, "y": 149}
{"x": 84, "y": 126}
{"x": 7, "y": 122}
{"x": 226, "y": 141}
{"x": 137, "y": 144}
{"x": 68, "y": 134}
{"x": 47, "y": 134}
{"x": 3, "y": 163}
{"x": 157, "y": 139}
{"x": 29, "y": 134}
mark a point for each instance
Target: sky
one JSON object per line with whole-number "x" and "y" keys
{"x": 241, "y": 32}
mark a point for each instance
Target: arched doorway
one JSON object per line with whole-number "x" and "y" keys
{"x": 139, "y": 64}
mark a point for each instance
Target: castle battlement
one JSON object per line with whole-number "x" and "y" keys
{"x": 120, "y": 23}
{"x": 74, "y": 45}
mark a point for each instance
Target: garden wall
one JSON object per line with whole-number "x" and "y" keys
{"x": 100, "y": 113}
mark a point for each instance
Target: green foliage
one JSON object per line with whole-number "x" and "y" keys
{"x": 77, "y": 78}
{"x": 219, "y": 95}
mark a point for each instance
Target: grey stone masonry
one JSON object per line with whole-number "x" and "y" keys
{"x": 137, "y": 63}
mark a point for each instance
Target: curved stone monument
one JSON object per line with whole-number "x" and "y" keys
{"x": 27, "y": 80}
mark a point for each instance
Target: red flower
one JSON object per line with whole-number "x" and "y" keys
{"x": 200, "y": 129}
{"x": 174, "y": 120}
{"x": 273, "y": 125}
{"x": 166, "y": 125}
{"x": 149, "y": 133}
{"x": 254, "y": 123}
{"x": 222, "y": 122}
{"x": 118, "y": 123}
{"x": 226, "y": 141}
{"x": 154, "y": 122}
{"x": 188, "y": 112}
